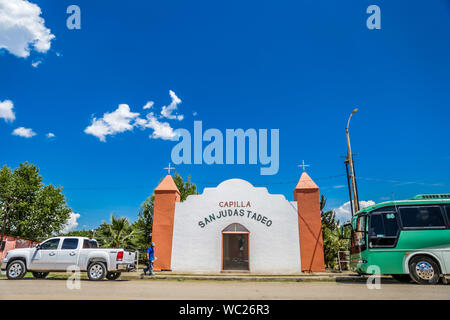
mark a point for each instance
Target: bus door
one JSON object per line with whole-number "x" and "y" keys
{"x": 383, "y": 234}
{"x": 383, "y": 229}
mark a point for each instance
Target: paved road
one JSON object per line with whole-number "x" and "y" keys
{"x": 204, "y": 290}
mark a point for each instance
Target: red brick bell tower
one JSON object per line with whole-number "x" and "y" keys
{"x": 166, "y": 195}
{"x": 306, "y": 194}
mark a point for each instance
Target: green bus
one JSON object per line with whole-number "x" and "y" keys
{"x": 408, "y": 239}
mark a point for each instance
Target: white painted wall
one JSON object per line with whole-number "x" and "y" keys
{"x": 273, "y": 249}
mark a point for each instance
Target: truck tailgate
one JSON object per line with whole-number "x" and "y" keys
{"x": 128, "y": 257}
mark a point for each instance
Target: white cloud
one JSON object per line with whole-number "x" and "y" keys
{"x": 71, "y": 222}
{"x": 112, "y": 123}
{"x": 22, "y": 28}
{"x": 148, "y": 105}
{"x": 24, "y": 132}
{"x": 50, "y": 135}
{"x": 161, "y": 130}
{"x": 141, "y": 122}
{"x": 123, "y": 119}
{"x": 343, "y": 213}
{"x": 36, "y": 64}
{"x": 194, "y": 113}
{"x": 166, "y": 111}
{"x": 6, "y": 111}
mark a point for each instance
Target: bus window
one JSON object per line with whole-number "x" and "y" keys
{"x": 390, "y": 224}
{"x": 383, "y": 229}
{"x": 422, "y": 217}
{"x": 447, "y": 208}
{"x": 376, "y": 226}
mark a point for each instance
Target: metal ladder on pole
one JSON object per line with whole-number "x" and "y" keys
{"x": 346, "y": 260}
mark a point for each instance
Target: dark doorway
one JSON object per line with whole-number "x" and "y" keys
{"x": 235, "y": 250}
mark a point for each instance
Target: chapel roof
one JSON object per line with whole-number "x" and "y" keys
{"x": 306, "y": 182}
{"x": 167, "y": 184}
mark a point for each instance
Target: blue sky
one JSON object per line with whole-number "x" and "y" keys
{"x": 297, "y": 66}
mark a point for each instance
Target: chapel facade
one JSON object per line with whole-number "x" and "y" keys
{"x": 238, "y": 227}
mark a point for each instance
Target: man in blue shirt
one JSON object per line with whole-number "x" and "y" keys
{"x": 151, "y": 258}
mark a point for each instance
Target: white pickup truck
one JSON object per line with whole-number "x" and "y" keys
{"x": 61, "y": 254}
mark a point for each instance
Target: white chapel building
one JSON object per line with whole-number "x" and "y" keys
{"x": 238, "y": 227}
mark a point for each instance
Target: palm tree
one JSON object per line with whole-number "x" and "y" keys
{"x": 117, "y": 234}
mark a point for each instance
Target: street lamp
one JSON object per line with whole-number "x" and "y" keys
{"x": 352, "y": 168}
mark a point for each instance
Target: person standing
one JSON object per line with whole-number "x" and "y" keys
{"x": 150, "y": 258}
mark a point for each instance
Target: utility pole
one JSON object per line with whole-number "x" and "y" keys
{"x": 349, "y": 187}
{"x": 351, "y": 166}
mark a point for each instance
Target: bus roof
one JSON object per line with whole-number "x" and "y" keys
{"x": 419, "y": 199}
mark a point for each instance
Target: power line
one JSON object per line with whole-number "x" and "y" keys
{"x": 195, "y": 182}
{"x": 404, "y": 182}
{"x": 108, "y": 188}
{"x": 149, "y": 187}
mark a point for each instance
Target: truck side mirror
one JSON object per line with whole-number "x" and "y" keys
{"x": 38, "y": 247}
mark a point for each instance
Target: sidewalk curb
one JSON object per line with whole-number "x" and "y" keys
{"x": 255, "y": 278}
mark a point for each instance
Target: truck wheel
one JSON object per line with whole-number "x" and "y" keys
{"x": 424, "y": 270}
{"x": 404, "y": 278}
{"x": 40, "y": 275}
{"x": 16, "y": 270}
{"x": 112, "y": 275}
{"x": 96, "y": 271}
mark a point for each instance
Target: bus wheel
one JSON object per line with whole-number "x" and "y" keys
{"x": 424, "y": 270}
{"x": 404, "y": 278}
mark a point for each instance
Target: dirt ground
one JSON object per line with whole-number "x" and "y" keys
{"x": 210, "y": 290}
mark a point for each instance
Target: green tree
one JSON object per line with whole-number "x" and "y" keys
{"x": 186, "y": 188}
{"x": 332, "y": 241}
{"x": 144, "y": 223}
{"x": 116, "y": 234}
{"x": 36, "y": 211}
{"x": 78, "y": 233}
